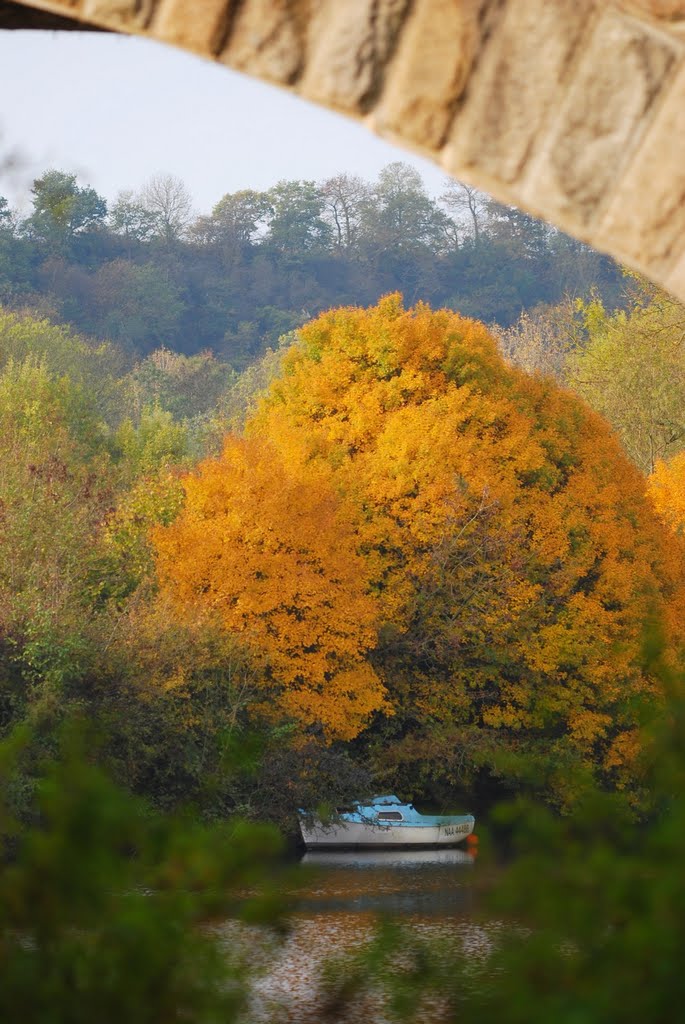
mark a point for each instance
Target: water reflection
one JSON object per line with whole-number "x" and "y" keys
{"x": 343, "y": 894}
{"x": 404, "y": 883}
{"x": 385, "y": 858}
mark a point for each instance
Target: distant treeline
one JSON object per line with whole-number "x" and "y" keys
{"x": 147, "y": 271}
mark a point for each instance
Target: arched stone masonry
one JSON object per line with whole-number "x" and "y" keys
{"x": 571, "y": 109}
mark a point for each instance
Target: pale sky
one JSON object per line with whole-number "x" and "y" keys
{"x": 117, "y": 110}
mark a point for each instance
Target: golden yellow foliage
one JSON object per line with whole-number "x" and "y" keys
{"x": 666, "y": 488}
{"x": 267, "y": 550}
{"x": 402, "y": 491}
{"x": 505, "y": 535}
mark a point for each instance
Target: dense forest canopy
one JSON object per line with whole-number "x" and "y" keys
{"x": 508, "y": 541}
{"x": 386, "y": 538}
{"x": 146, "y": 271}
{"x": 380, "y": 546}
{"x": 274, "y": 536}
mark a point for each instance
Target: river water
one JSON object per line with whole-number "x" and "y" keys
{"x": 343, "y": 895}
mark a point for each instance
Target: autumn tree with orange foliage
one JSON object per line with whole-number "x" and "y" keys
{"x": 505, "y": 536}
{"x": 666, "y": 488}
{"x": 268, "y": 551}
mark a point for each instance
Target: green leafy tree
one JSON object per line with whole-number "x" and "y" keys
{"x": 125, "y": 560}
{"x": 92, "y": 367}
{"x": 130, "y": 217}
{"x": 5, "y": 215}
{"x": 242, "y": 397}
{"x": 403, "y": 216}
{"x": 157, "y": 441}
{"x": 518, "y": 230}
{"x": 15, "y": 256}
{"x": 632, "y": 370}
{"x": 53, "y": 496}
{"x": 134, "y": 304}
{"x": 297, "y": 224}
{"x": 237, "y": 221}
{"x": 62, "y": 209}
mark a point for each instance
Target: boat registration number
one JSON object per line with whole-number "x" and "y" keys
{"x": 455, "y": 830}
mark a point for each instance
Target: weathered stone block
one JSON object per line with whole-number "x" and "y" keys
{"x": 267, "y": 39}
{"x": 350, "y": 44}
{"x": 603, "y": 117}
{"x": 197, "y": 25}
{"x": 516, "y": 84}
{"x": 58, "y": 7}
{"x": 429, "y": 71}
{"x": 646, "y": 216}
{"x": 668, "y": 10}
{"x": 129, "y": 15}
{"x": 675, "y": 281}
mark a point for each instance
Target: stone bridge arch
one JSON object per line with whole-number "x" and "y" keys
{"x": 571, "y": 109}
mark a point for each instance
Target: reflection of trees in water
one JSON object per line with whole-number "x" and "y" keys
{"x": 292, "y": 986}
{"x": 405, "y": 883}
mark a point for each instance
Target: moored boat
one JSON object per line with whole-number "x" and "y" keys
{"x": 385, "y": 822}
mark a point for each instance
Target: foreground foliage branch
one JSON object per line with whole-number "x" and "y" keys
{"x": 107, "y": 910}
{"x": 586, "y": 923}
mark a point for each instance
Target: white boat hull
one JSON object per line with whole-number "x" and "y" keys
{"x": 361, "y": 834}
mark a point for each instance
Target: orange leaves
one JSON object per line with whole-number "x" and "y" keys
{"x": 504, "y": 533}
{"x": 666, "y": 488}
{"x": 400, "y": 482}
{"x": 266, "y": 550}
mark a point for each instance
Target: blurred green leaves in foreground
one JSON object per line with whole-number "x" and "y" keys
{"x": 109, "y": 912}
{"x": 585, "y": 926}
{"x": 112, "y": 913}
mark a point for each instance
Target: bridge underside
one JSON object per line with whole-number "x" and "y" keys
{"x": 571, "y": 109}
{"x": 18, "y": 16}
